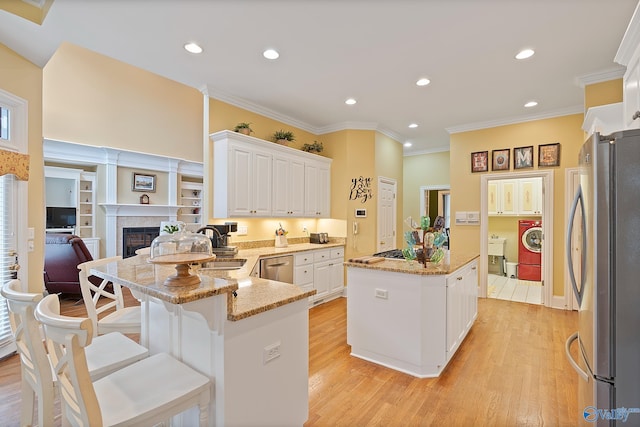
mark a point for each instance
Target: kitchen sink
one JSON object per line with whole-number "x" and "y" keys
{"x": 224, "y": 264}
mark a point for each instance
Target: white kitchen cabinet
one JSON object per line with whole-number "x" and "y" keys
{"x": 413, "y": 323}
{"x": 303, "y": 271}
{"x": 288, "y": 186}
{"x": 462, "y": 300}
{"x": 242, "y": 182}
{"x": 257, "y": 178}
{"x": 336, "y": 284}
{"x": 321, "y": 270}
{"x": 629, "y": 55}
{"x": 502, "y": 196}
{"x": 317, "y": 183}
{"x": 530, "y": 196}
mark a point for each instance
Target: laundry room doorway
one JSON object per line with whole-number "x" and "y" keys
{"x": 516, "y": 225}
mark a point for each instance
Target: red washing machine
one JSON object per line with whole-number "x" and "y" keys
{"x": 530, "y": 250}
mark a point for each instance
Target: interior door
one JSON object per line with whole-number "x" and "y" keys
{"x": 386, "y": 214}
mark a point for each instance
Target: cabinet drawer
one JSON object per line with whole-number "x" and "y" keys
{"x": 303, "y": 274}
{"x": 323, "y": 255}
{"x": 337, "y": 253}
{"x": 303, "y": 258}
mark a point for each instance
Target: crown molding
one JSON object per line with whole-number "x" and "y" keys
{"x": 255, "y": 108}
{"x": 630, "y": 40}
{"x": 576, "y": 109}
{"x": 599, "y": 77}
{"x": 428, "y": 151}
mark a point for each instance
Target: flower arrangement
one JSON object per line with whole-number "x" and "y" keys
{"x": 170, "y": 228}
{"x": 281, "y": 231}
{"x": 281, "y": 237}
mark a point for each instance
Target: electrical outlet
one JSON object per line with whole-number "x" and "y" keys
{"x": 242, "y": 230}
{"x": 382, "y": 293}
{"x": 270, "y": 352}
{"x": 304, "y": 228}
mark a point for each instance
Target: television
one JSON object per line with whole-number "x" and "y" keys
{"x": 59, "y": 217}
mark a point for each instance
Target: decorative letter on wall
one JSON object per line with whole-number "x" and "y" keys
{"x": 361, "y": 189}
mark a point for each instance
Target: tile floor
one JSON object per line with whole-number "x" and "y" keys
{"x": 501, "y": 287}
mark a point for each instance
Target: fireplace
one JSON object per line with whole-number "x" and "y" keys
{"x": 134, "y": 238}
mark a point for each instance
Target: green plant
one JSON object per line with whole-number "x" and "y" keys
{"x": 281, "y": 134}
{"x": 243, "y": 125}
{"x": 170, "y": 228}
{"x": 316, "y": 147}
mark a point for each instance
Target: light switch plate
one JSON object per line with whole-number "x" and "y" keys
{"x": 242, "y": 230}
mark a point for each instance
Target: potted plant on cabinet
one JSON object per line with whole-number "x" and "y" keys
{"x": 243, "y": 128}
{"x": 283, "y": 137}
{"x": 316, "y": 147}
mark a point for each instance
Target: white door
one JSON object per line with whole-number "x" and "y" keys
{"x": 386, "y": 214}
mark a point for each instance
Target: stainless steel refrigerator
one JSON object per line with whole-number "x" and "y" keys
{"x": 606, "y": 209}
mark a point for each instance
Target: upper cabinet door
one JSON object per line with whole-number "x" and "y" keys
{"x": 530, "y": 191}
{"x": 249, "y": 182}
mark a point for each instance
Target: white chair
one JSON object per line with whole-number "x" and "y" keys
{"x": 123, "y": 319}
{"x": 106, "y": 354}
{"x": 142, "y": 394}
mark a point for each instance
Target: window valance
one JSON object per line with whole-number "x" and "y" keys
{"x": 14, "y": 163}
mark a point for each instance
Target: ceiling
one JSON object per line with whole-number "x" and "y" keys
{"x": 371, "y": 50}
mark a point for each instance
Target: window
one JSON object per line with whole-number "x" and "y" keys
{"x": 13, "y": 199}
{"x": 4, "y": 123}
{"x": 7, "y": 256}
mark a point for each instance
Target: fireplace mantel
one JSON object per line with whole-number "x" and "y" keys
{"x": 140, "y": 210}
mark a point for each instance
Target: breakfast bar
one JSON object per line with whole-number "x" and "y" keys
{"x": 249, "y": 335}
{"x": 408, "y": 317}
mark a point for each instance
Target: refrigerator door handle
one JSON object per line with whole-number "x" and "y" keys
{"x": 572, "y": 362}
{"x": 577, "y": 200}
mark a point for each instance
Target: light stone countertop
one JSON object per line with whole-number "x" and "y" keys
{"x": 451, "y": 262}
{"x": 252, "y": 295}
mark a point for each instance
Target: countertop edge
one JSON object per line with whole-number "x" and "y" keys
{"x": 447, "y": 266}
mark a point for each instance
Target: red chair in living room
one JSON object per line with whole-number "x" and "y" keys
{"x": 62, "y": 254}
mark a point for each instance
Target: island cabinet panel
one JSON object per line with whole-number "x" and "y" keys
{"x": 462, "y": 304}
{"x": 410, "y": 322}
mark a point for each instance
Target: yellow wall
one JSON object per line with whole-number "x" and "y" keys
{"x": 389, "y": 164}
{"x": 125, "y": 184}
{"x": 422, "y": 170}
{"x": 24, "y": 79}
{"x": 95, "y": 100}
{"x": 603, "y": 93}
{"x": 465, "y": 186}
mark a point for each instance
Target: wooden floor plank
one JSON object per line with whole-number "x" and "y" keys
{"x": 510, "y": 370}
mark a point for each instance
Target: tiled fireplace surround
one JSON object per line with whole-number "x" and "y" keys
{"x": 135, "y": 222}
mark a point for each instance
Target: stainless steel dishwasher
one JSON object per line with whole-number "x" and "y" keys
{"x": 277, "y": 268}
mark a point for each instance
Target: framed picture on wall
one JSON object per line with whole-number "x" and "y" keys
{"x": 143, "y": 182}
{"x": 500, "y": 160}
{"x": 549, "y": 155}
{"x": 480, "y": 161}
{"x": 523, "y": 157}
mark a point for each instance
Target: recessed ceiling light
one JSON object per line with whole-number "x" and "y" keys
{"x": 408, "y": 144}
{"x": 350, "y": 101}
{"x": 270, "y": 54}
{"x": 530, "y": 104}
{"x": 193, "y": 48}
{"x": 525, "y": 53}
{"x": 423, "y": 81}
{"x": 413, "y": 125}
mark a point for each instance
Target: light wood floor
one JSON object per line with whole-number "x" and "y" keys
{"x": 510, "y": 370}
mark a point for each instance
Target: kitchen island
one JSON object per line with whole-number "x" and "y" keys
{"x": 249, "y": 335}
{"x": 410, "y": 318}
